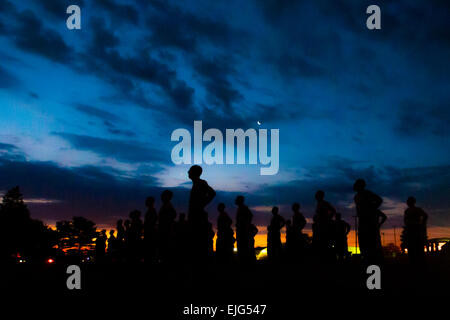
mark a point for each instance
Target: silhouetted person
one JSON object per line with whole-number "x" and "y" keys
{"x": 166, "y": 219}
{"x": 182, "y": 238}
{"x": 274, "y": 247}
{"x": 127, "y": 231}
{"x": 150, "y": 230}
{"x": 113, "y": 246}
{"x": 323, "y": 226}
{"x": 112, "y": 242}
{"x": 243, "y": 230}
{"x": 100, "y": 245}
{"x": 415, "y": 231}
{"x": 135, "y": 231}
{"x": 120, "y": 231}
{"x": 225, "y": 235}
{"x": 342, "y": 229}
{"x": 370, "y": 219}
{"x": 298, "y": 223}
{"x": 290, "y": 240}
{"x": 201, "y": 195}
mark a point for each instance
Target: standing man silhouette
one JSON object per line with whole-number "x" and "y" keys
{"x": 342, "y": 228}
{"x": 322, "y": 227}
{"x": 150, "y": 235}
{"x": 370, "y": 220}
{"x": 201, "y": 195}
{"x": 274, "y": 247}
{"x": 415, "y": 231}
{"x": 244, "y": 231}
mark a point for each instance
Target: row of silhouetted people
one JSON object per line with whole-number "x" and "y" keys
{"x": 162, "y": 237}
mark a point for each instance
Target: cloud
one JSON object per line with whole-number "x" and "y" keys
{"x": 96, "y": 112}
{"x": 123, "y": 71}
{"x": 187, "y": 31}
{"x": 215, "y": 74}
{"x": 415, "y": 118}
{"x": 122, "y": 150}
{"x": 57, "y": 8}
{"x": 10, "y": 152}
{"x": 118, "y": 11}
{"x": 30, "y": 35}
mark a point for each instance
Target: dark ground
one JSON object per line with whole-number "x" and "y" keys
{"x": 286, "y": 289}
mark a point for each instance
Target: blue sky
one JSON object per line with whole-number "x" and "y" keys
{"x": 86, "y": 115}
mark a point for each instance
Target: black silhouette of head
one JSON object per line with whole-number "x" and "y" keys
{"x": 296, "y": 207}
{"x": 166, "y": 196}
{"x": 275, "y": 210}
{"x": 359, "y": 185}
{"x": 135, "y": 214}
{"x": 320, "y": 195}
{"x": 411, "y": 202}
{"x": 221, "y": 207}
{"x": 182, "y": 217}
{"x": 239, "y": 200}
{"x": 149, "y": 202}
{"x": 195, "y": 172}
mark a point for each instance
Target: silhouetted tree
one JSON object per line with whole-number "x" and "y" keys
{"x": 20, "y": 234}
{"x": 78, "y": 232}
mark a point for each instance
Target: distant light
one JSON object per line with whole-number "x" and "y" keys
{"x": 50, "y": 260}
{"x": 262, "y": 254}
{"x": 234, "y": 249}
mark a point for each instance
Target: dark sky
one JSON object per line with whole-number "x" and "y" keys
{"x": 86, "y": 115}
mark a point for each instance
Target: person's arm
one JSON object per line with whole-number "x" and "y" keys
{"x": 383, "y": 217}
{"x": 210, "y": 194}
{"x": 376, "y": 200}
{"x": 331, "y": 210}
{"x": 424, "y": 216}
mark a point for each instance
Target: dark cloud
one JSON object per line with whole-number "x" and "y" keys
{"x": 10, "y": 152}
{"x": 124, "y": 71}
{"x": 119, "y": 12}
{"x": 112, "y": 128}
{"x": 188, "y": 31}
{"x": 30, "y": 35}
{"x": 88, "y": 191}
{"x": 298, "y": 67}
{"x": 415, "y": 118}
{"x": 7, "y": 147}
{"x": 57, "y": 8}
{"x": 96, "y": 112}
{"x": 216, "y": 73}
{"x": 118, "y": 149}
{"x": 111, "y": 121}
